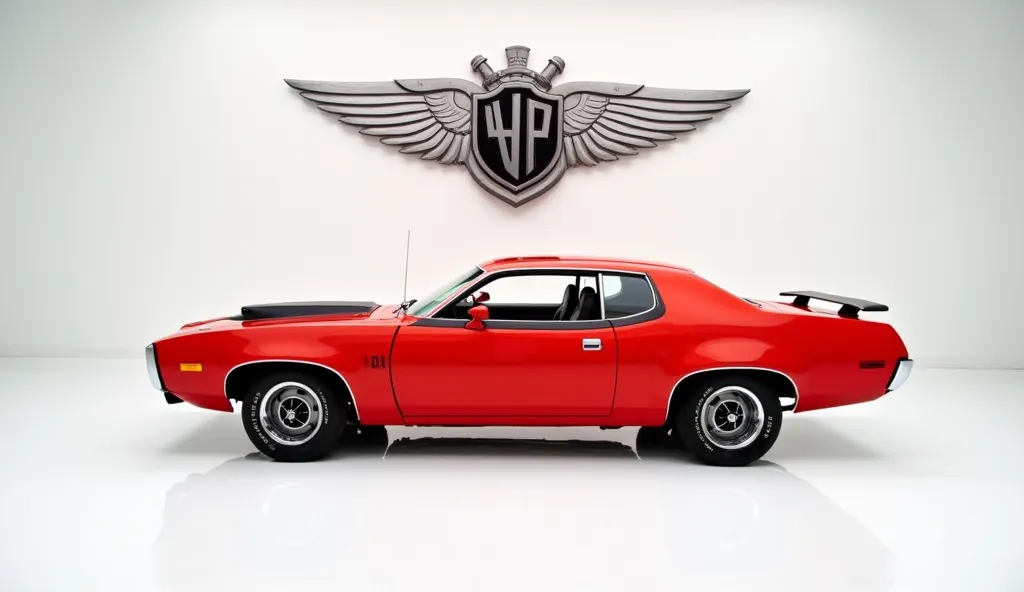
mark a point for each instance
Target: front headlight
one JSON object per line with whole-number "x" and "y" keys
{"x": 902, "y": 373}
{"x": 152, "y": 368}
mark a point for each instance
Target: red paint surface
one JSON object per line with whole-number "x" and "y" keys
{"x": 448, "y": 371}
{"x": 459, "y": 376}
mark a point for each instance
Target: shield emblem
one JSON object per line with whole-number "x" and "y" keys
{"x": 517, "y": 141}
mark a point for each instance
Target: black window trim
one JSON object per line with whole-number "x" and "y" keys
{"x": 656, "y": 311}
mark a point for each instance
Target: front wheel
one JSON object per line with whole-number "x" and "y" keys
{"x": 293, "y": 417}
{"x": 730, "y": 421}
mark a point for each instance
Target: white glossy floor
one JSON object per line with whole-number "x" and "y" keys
{"x": 105, "y": 487}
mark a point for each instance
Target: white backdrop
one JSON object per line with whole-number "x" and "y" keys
{"x": 155, "y": 169}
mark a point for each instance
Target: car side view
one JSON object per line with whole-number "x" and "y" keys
{"x": 537, "y": 341}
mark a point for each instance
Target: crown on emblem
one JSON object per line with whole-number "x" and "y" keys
{"x": 517, "y": 55}
{"x": 517, "y": 71}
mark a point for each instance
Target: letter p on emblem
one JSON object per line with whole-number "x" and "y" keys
{"x": 532, "y": 133}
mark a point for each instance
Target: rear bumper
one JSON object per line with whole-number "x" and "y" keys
{"x": 900, "y": 374}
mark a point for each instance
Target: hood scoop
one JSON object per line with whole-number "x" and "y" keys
{"x": 284, "y": 310}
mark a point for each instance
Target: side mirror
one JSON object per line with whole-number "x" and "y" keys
{"x": 480, "y": 298}
{"x": 478, "y": 314}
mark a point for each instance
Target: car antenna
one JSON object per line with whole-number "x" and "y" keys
{"x": 405, "y": 286}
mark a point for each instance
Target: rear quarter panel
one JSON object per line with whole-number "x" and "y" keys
{"x": 705, "y": 327}
{"x": 847, "y": 361}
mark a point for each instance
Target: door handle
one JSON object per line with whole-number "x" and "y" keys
{"x": 591, "y": 344}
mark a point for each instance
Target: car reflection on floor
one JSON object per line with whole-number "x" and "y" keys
{"x": 506, "y": 513}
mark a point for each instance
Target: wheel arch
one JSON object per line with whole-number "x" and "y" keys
{"x": 240, "y": 378}
{"x": 782, "y": 382}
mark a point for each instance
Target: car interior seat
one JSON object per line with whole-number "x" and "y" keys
{"x": 570, "y": 300}
{"x": 589, "y": 308}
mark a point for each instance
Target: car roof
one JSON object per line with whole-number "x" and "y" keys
{"x": 576, "y": 262}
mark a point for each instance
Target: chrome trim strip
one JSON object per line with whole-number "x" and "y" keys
{"x": 676, "y": 385}
{"x": 569, "y": 270}
{"x": 499, "y": 321}
{"x": 600, "y": 293}
{"x": 347, "y": 385}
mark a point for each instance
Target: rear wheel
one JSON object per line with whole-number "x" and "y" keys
{"x": 293, "y": 417}
{"x": 729, "y": 421}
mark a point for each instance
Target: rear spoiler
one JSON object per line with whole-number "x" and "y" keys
{"x": 850, "y": 306}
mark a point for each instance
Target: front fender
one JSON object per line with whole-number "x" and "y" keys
{"x": 354, "y": 351}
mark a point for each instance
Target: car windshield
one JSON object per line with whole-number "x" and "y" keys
{"x": 425, "y": 305}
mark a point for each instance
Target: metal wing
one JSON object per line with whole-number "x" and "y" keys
{"x": 429, "y": 117}
{"x": 606, "y": 120}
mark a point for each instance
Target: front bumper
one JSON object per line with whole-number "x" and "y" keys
{"x": 900, "y": 374}
{"x": 153, "y": 368}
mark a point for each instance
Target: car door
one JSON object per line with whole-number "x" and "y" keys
{"x": 509, "y": 368}
{"x": 517, "y": 364}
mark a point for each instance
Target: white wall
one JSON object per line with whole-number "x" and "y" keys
{"x": 155, "y": 169}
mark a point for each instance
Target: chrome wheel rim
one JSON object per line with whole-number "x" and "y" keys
{"x": 731, "y": 417}
{"x": 290, "y": 413}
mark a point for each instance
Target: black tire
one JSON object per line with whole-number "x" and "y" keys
{"x": 328, "y": 404}
{"x": 755, "y": 441}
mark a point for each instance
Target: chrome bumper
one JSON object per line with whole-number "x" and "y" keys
{"x": 152, "y": 368}
{"x": 900, "y": 376}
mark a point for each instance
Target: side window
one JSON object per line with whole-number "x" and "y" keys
{"x": 529, "y": 289}
{"x": 626, "y": 295}
{"x": 612, "y": 285}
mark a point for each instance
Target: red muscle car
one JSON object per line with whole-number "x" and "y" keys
{"x": 531, "y": 341}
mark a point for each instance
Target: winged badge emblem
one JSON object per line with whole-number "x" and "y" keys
{"x": 516, "y": 134}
